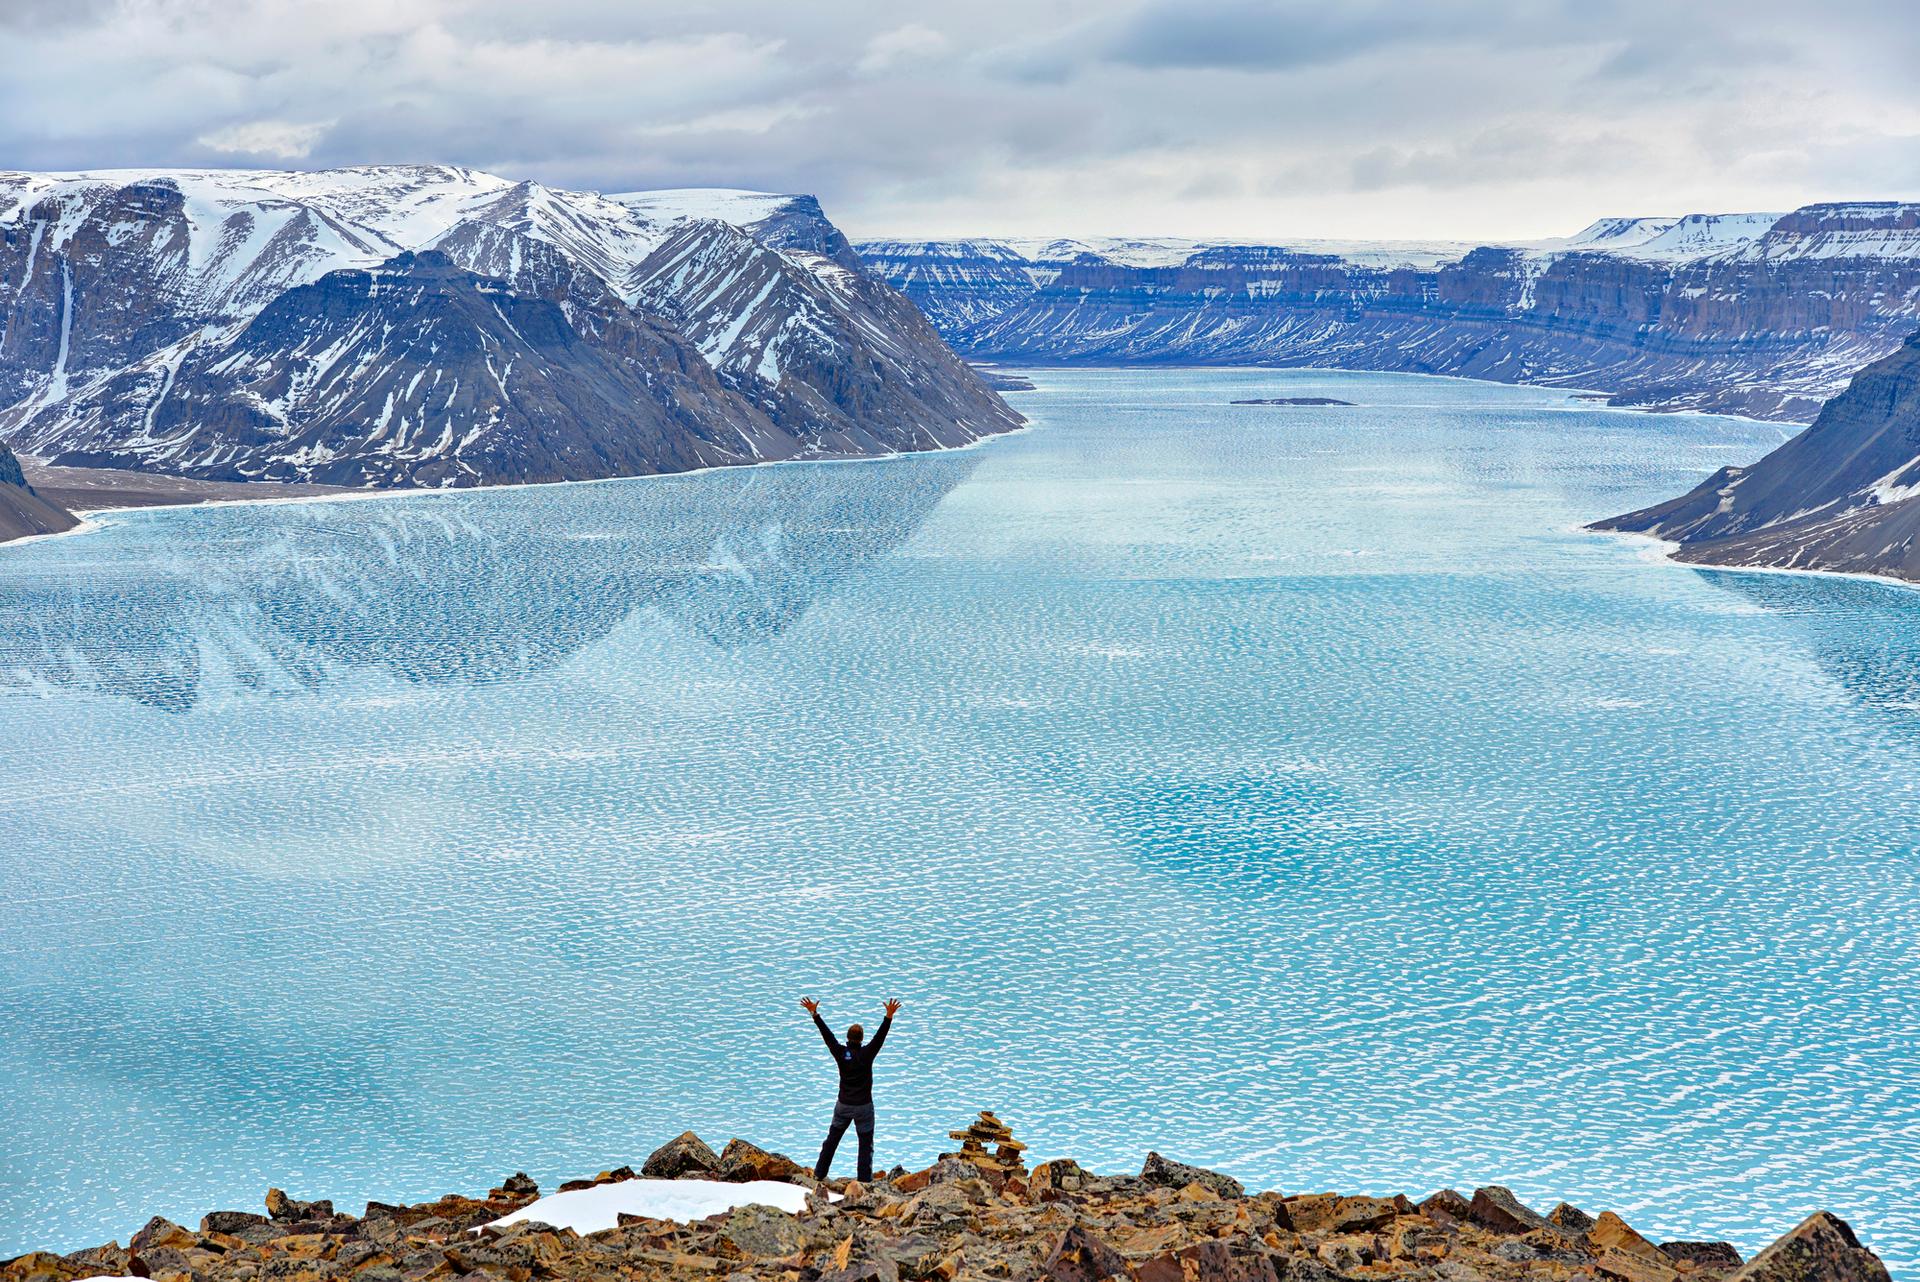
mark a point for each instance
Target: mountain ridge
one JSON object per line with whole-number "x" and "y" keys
{"x": 1758, "y": 314}
{"x": 168, "y": 321}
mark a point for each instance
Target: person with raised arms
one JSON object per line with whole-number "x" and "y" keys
{"x": 854, "y": 1107}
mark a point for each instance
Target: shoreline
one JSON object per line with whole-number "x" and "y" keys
{"x": 99, "y": 518}
{"x": 321, "y": 493}
{"x": 1658, "y": 550}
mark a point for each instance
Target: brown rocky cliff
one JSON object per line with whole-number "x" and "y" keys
{"x": 975, "y": 1214}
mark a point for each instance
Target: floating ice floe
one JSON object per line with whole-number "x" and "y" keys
{"x": 598, "y": 1208}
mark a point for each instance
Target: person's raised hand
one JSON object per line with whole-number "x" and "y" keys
{"x": 892, "y": 1007}
{"x": 811, "y": 1006}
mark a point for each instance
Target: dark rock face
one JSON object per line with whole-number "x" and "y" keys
{"x": 1498, "y": 1209}
{"x": 840, "y": 359}
{"x": 1822, "y": 1248}
{"x": 1763, "y": 326}
{"x": 23, "y": 512}
{"x": 1712, "y": 1255}
{"x": 1080, "y": 1256}
{"x": 1570, "y": 1217}
{"x": 742, "y": 1162}
{"x": 1166, "y": 1172}
{"x": 1843, "y": 495}
{"x": 244, "y": 326}
{"x": 283, "y": 1209}
{"x": 419, "y": 374}
{"x": 684, "y": 1154}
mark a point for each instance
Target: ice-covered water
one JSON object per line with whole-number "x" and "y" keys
{"x": 1292, "y": 790}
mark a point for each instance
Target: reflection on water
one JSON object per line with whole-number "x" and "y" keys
{"x": 456, "y": 589}
{"x": 1860, "y": 632}
{"x": 1300, "y": 794}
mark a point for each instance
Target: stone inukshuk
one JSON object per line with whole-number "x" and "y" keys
{"x": 1005, "y": 1160}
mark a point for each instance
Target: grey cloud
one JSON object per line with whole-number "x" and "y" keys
{"x": 1210, "y": 117}
{"x": 42, "y": 15}
{"x": 1250, "y": 34}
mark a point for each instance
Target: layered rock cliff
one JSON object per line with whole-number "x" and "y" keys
{"x": 971, "y": 1216}
{"x": 1844, "y": 495}
{"x": 23, "y": 512}
{"x": 428, "y": 325}
{"x": 1763, "y": 315}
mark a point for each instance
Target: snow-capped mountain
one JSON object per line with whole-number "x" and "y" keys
{"x": 1763, "y": 314}
{"x": 433, "y": 325}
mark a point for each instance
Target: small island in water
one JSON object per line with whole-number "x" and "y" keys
{"x": 1292, "y": 400}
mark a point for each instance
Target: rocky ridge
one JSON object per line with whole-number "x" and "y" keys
{"x": 1758, "y": 314}
{"x": 437, "y": 326}
{"x": 23, "y": 510}
{"x": 974, "y": 1214}
{"x": 1844, "y": 495}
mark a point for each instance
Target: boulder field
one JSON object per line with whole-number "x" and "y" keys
{"x": 972, "y": 1215}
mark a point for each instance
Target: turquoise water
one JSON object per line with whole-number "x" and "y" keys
{"x": 1291, "y": 790}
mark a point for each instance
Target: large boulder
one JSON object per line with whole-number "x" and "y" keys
{"x": 230, "y": 1221}
{"x": 285, "y": 1209}
{"x": 1213, "y": 1261}
{"x": 685, "y": 1154}
{"x": 1822, "y": 1248}
{"x": 764, "y": 1231}
{"x": 99, "y": 1261}
{"x": 1622, "y": 1253}
{"x": 1331, "y": 1213}
{"x": 741, "y": 1162}
{"x": 1495, "y": 1207}
{"x": 518, "y": 1186}
{"x": 1171, "y": 1174}
{"x": 158, "y": 1232}
{"x": 1448, "y": 1206}
{"x": 1713, "y": 1257}
{"x": 1079, "y": 1256}
{"x": 1061, "y": 1175}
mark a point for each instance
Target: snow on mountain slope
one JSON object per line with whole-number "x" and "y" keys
{"x": 1750, "y": 313}
{"x": 132, "y": 301}
{"x": 1858, "y": 230}
{"x": 813, "y": 341}
{"x": 1614, "y": 233}
{"x": 1698, "y": 235}
{"x": 414, "y": 373}
{"x": 957, "y": 282}
{"x": 744, "y": 209}
{"x": 1842, "y": 495}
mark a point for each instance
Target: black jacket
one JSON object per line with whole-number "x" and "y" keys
{"x": 855, "y": 1062}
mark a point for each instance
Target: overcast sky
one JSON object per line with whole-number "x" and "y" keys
{"x": 1258, "y": 119}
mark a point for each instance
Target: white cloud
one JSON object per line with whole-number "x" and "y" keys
{"x": 736, "y": 120}
{"x": 902, "y": 44}
{"x": 280, "y": 139}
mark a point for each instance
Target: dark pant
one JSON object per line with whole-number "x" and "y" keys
{"x": 861, "y": 1118}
